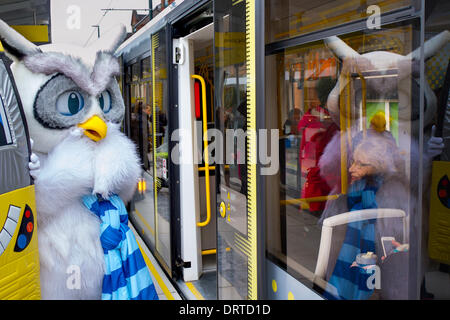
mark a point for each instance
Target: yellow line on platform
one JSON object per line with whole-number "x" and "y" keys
{"x": 194, "y": 290}
{"x": 156, "y": 275}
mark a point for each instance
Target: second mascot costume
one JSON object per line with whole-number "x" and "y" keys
{"x": 84, "y": 168}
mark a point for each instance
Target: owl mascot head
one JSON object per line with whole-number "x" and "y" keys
{"x": 74, "y": 109}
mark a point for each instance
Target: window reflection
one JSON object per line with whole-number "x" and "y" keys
{"x": 161, "y": 144}
{"x": 348, "y": 186}
{"x": 142, "y": 206}
{"x": 235, "y": 118}
{"x": 287, "y": 19}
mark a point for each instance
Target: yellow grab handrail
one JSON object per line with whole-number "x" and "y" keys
{"x": 348, "y": 111}
{"x": 227, "y": 166}
{"x": 205, "y": 152}
{"x": 308, "y": 200}
{"x": 206, "y": 168}
{"x": 364, "y": 103}
{"x": 343, "y": 129}
{"x": 208, "y": 252}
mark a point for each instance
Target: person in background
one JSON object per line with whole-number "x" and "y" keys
{"x": 378, "y": 180}
{"x": 317, "y": 130}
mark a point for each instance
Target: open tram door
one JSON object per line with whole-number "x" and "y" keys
{"x": 19, "y": 258}
{"x": 193, "y": 58}
{"x": 239, "y": 70}
{"x": 218, "y": 188}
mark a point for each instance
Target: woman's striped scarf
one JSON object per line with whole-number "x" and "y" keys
{"x": 351, "y": 282}
{"x": 126, "y": 274}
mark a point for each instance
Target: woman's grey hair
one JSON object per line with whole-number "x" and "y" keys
{"x": 381, "y": 153}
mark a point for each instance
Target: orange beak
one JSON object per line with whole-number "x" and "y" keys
{"x": 94, "y": 128}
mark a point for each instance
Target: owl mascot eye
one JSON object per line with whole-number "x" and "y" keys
{"x": 88, "y": 168}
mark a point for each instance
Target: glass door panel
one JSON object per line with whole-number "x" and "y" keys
{"x": 161, "y": 138}
{"x": 142, "y": 207}
{"x": 236, "y": 240}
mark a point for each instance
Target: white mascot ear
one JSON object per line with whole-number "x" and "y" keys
{"x": 111, "y": 40}
{"x": 340, "y": 48}
{"x": 15, "y": 45}
{"x": 431, "y": 46}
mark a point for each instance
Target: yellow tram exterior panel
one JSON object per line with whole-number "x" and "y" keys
{"x": 33, "y": 33}
{"x": 439, "y": 236}
{"x": 19, "y": 271}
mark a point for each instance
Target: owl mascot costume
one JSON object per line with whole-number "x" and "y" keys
{"x": 83, "y": 166}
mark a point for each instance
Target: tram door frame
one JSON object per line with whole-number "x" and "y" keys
{"x": 174, "y": 173}
{"x": 175, "y": 264}
{"x": 195, "y": 233}
{"x": 189, "y": 183}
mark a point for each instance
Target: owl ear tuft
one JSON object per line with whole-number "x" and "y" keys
{"x": 431, "y": 46}
{"x": 340, "y": 48}
{"x": 15, "y": 45}
{"x": 111, "y": 40}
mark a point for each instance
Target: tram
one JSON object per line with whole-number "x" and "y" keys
{"x": 19, "y": 255}
{"x": 290, "y": 150}
{"x": 236, "y": 230}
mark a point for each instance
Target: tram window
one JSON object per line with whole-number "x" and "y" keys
{"x": 235, "y": 118}
{"x": 146, "y": 68}
{"x": 6, "y": 136}
{"x": 293, "y": 18}
{"x": 160, "y": 120}
{"x": 349, "y": 131}
{"x": 146, "y": 125}
{"x": 141, "y": 132}
{"x": 230, "y": 89}
{"x": 135, "y": 72}
{"x": 140, "y": 114}
{"x": 136, "y": 110}
{"x": 127, "y": 74}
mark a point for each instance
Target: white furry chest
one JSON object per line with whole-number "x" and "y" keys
{"x": 70, "y": 250}
{"x": 70, "y": 238}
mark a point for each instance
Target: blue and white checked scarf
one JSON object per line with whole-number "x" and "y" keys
{"x": 126, "y": 274}
{"x": 351, "y": 282}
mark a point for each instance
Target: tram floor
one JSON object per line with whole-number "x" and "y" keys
{"x": 203, "y": 289}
